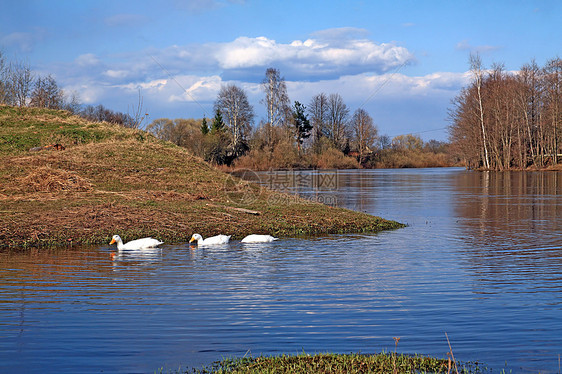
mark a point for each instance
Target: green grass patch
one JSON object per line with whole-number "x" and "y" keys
{"x": 336, "y": 364}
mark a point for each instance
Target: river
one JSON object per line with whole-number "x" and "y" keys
{"x": 480, "y": 260}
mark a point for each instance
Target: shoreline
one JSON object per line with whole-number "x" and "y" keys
{"x": 112, "y": 180}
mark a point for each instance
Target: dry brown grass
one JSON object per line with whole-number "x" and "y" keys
{"x": 135, "y": 185}
{"x": 47, "y": 179}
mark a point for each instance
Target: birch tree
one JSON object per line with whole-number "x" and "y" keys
{"x": 552, "y": 88}
{"x": 232, "y": 102}
{"x": 476, "y": 68}
{"x": 276, "y": 101}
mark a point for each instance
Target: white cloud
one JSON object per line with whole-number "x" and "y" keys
{"x": 325, "y": 55}
{"x": 393, "y": 99}
{"x": 87, "y": 59}
{"x": 24, "y": 41}
{"x": 88, "y": 93}
{"x": 362, "y": 89}
{"x": 321, "y": 56}
{"x": 183, "y": 81}
{"x": 247, "y": 52}
{"x": 117, "y": 74}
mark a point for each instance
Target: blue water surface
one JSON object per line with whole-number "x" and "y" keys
{"x": 480, "y": 261}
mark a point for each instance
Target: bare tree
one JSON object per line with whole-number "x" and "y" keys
{"x": 232, "y": 102}
{"x": 4, "y": 81}
{"x": 138, "y": 116}
{"x": 384, "y": 141}
{"x": 504, "y": 120}
{"x": 465, "y": 132}
{"x": 161, "y": 128}
{"x": 338, "y": 114}
{"x": 47, "y": 94}
{"x": 552, "y": 102}
{"x": 364, "y": 132}
{"x": 72, "y": 103}
{"x": 476, "y": 68}
{"x": 20, "y": 81}
{"x": 276, "y": 100}
{"x": 529, "y": 100}
{"x": 318, "y": 112}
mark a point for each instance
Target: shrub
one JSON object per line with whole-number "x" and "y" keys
{"x": 332, "y": 158}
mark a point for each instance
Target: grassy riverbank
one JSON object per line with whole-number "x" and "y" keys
{"x": 112, "y": 180}
{"x": 337, "y": 364}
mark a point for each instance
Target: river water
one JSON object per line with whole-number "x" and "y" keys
{"x": 480, "y": 260}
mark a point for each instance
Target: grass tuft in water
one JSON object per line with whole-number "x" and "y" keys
{"x": 334, "y": 363}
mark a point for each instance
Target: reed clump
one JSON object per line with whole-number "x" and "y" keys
{"x": 353, "y": 363}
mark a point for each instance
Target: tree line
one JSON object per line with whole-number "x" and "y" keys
{"x": 323, "y": 133}
{"x": 20, "y": 87}
{"x": 509, "y": 120}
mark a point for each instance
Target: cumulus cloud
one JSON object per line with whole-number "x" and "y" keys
{"x": 363, "y": 89}
{"x": 327, "y": 54}
{"x": 183, "y": 81}
{"x": 390, "y": 98}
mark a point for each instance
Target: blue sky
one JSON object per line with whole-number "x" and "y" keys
{"x": 402, "y": 61}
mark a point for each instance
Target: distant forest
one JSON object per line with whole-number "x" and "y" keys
{"x": 506, "y": 120}
{"x": 322, "y": 134}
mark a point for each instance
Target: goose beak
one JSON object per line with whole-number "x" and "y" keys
{"x": 112, "y": 241}
{"x": 191, "y": 240}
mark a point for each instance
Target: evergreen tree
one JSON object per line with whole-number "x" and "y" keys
{"x": 218, "y": 123}
{"x": 302, "y": 124}
{"x": 204, "y": 127}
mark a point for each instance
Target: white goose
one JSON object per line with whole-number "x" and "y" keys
{"x": 213, "y": 240}
{"x": 143, "y": 243}
{"x": 255, "y": 238}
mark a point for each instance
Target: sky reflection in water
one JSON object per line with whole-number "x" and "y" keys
{"x": 479, "y": 260}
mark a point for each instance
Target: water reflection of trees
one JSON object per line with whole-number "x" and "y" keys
{"x": 510, "y": 222}
{"x": 78, "y": 269}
